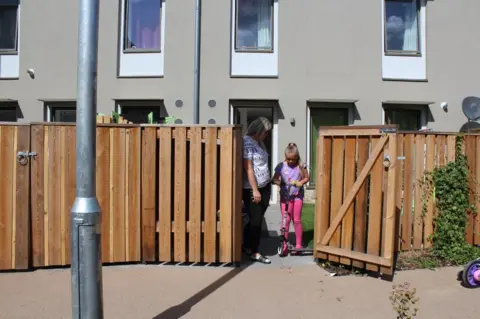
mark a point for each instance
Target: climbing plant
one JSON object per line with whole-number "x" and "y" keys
{"x": 449, "y": 187}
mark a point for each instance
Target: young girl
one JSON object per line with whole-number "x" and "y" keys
{"x": 292, "y": 172}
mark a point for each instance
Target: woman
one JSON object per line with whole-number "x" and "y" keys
{"x": 256, "y": 185}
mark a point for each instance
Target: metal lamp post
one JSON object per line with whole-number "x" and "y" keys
{"x": 86, "y": 272}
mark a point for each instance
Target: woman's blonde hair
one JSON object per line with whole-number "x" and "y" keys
{"x": 259, "y": 126}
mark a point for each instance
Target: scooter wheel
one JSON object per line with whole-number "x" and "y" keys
{"x": 471, "y": 274}
{"x": 282, "y": 250}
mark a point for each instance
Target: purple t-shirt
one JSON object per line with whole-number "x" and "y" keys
{"x": 289, "y": 174}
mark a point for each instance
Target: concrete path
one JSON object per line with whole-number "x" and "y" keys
{"x": 168, "y": 292}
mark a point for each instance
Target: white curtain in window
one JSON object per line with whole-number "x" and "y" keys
{"x": 264, "y": 24}
{"x": 410, "y": 36}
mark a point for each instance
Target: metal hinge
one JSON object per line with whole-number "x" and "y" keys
{"x": 388, "y": 130}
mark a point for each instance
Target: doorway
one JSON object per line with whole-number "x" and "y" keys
{"x": 245, "y": 115}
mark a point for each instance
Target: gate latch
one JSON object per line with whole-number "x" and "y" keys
{"x": 23, "y": 157}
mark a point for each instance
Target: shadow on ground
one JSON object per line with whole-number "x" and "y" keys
{"x": 268, "y": 247}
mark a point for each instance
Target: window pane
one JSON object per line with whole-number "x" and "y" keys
{"x": 323, "y": 117}
{"x": 8, "y": 27}
{"x": 254, "y": 24}
{"x": 407, "y": 120}
{"x": 8, "y": 114}
{"x": 139, "y": 115}
{"x": 401, "y": 25}
{"x": 143, "y": 24}
{"x": 65, "y": 115}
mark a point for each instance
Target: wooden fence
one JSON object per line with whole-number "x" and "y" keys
{"x": 346, "y": 151}
{"x": 423, "y": 152}
{"x": 158, "y": 188}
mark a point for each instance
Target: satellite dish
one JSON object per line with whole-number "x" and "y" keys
{"x": 470, "y": 126}
{"x": 471, "y": 108}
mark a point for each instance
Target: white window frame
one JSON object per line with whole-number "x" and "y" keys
{"x": 10, "y": 59}
{"x": 253, "y": 63}
{"x": 351, "y": 119}
{"x": 406, "y": 67}
{"x": 140, "y": 103}
{"x": 51, "y": 106}
{"x": 420, "y": 107}
{"x": 140, "y": 64}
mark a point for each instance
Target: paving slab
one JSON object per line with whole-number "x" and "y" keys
{"x": 302, "y": 291}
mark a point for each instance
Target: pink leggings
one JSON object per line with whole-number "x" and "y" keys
{"x": 295, "y": 210}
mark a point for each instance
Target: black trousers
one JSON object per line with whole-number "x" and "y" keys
{"x": 255, "y": 211}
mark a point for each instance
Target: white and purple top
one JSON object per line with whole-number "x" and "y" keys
{"x": 289, "y": 174}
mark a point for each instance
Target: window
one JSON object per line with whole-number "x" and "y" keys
{"x": 8, "y": 112}
{"x": 8, "y": 26}
{"x": 323, "y": 117}
{"x": 62, "y": 112}
{"x": 407, "y": 119}
{"x": 402, "y": 32}
{"x": 254, "y": 25}
{"x": 142, "y": 25}
{"x": 142, "y": 113}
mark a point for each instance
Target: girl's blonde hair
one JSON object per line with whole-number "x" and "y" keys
{"x": 292, "y": 148}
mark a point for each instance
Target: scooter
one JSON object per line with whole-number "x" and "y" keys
{"x": 284, "y": 247}
{"x": 471, "y": 274}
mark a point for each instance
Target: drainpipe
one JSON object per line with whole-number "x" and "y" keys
{"x": 196, "y": 67}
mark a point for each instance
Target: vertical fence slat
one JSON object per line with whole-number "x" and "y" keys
{"x": 375, "y": 205}
{"x": 324, "y": 165}
{"x": 6, "y": 197}
{"x": 361, "y": 203}
{"x": 441, "y": 150}
{"x": 195, "y": 222}
{"x": 407, "y": 220}
{"x": 22, "y": 202}
{"x": 226, "y": 167}
{"x": 210, "y": 194}
{"x": 117, "y": 194}
{"x": 53, "y": 172}
{"x": 237, "y": 194}
{"x": 419, "y": 171}
{"x": 389, "y": 240}
{"x": 165, "y": 194}
{"x": 349, "y": 180}
{"x": 399, "y": 190}
{"x": 149, "y": 140}
{"x": 70, "y": 184}
{"x": 180, "y": 135}
{"x": 133, "y": 170}
{"x": 103, "y": 187}
{"x": 337, "y": 189}
{"x": 63, "y": 194}
{"x": 428, "y": 218}
{"x": 470, "y": 151}
{"x": 37, "y": 195}
{"x": 451, "y": 148}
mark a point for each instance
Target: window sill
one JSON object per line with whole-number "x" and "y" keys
{"x": 135, "y": 51}
{"x": 253, "y": 51}
{"x": 405, "y": 80}
{"x": 9, "y": 78}
{"x": 140, "y": 77}
{"x": 254, "y": 76}
{"x": 403, "y": 54}
{"x": 6, "y": 52}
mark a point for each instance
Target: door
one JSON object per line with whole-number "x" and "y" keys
{"x": 245, "y": 116}
{"x": 355, "y": 211}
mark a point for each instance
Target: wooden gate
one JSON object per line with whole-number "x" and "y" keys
{"x": 355, "y": 209}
